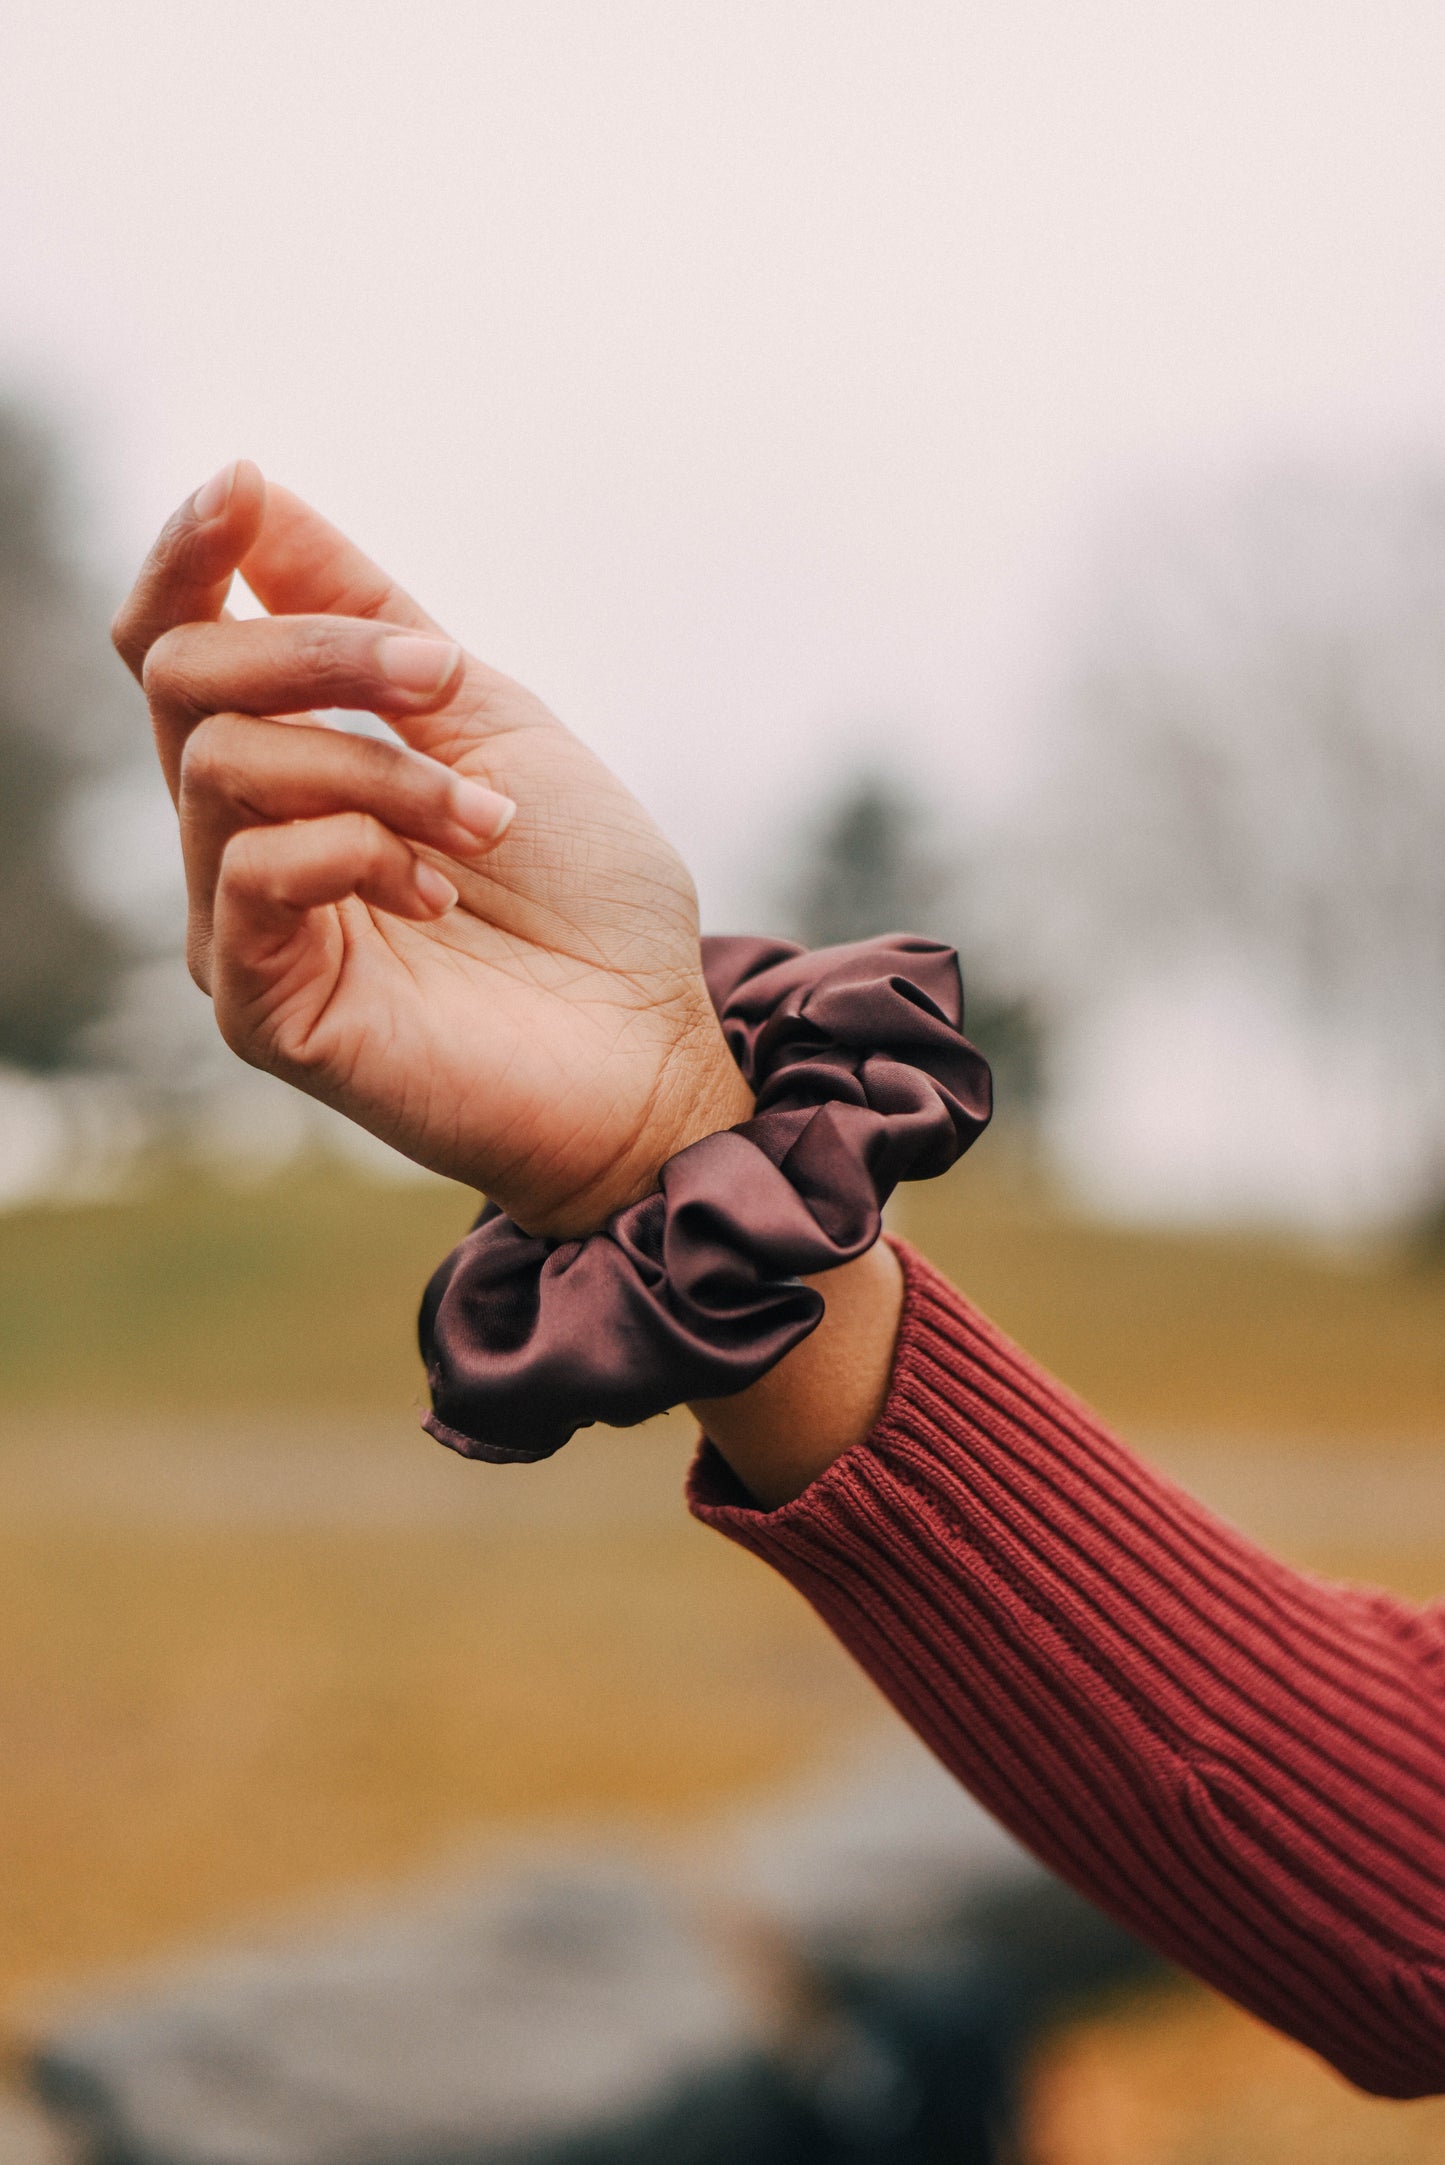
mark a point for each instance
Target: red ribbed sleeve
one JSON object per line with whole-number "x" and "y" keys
{"x": 1243, "y": 1764}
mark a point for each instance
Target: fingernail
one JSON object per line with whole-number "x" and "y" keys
{"x": 486, "y": 813}
{"x": 436, "y": 891}
{"x": 211, "y": 500}
{"x": 418, "y": 665}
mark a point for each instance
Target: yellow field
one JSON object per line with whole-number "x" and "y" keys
{"x": 260, "y": 1639}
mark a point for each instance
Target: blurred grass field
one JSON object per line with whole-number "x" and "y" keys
{"x": 261, "y": 1639}
{"x": 301, "y": 1293}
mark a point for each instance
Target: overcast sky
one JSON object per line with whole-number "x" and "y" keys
{"x": 749, "y": 376}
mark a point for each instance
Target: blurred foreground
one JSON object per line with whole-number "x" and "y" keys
{"x": 262, "y": 1642}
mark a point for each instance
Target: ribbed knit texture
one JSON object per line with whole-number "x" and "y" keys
{"x": 1243, "y": 1764}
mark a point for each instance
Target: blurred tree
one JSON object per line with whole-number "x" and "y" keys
{"x": 57, "y": 960}
{"x": 870, "y": 866}
{"x": 1258, "y": 773}
{"x": 866, "y": 868}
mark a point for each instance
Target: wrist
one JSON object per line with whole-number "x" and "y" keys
{"x": 825, "y": 1396}
{"x": 758, "y": 1244}
{"x": 699, "y": 1091}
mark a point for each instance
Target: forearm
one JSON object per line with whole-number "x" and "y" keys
{"x": 825, "y": 1396}
{"x": 1245, "y": 1766}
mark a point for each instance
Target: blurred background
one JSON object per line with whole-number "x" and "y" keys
{"x": 968, "y": 468}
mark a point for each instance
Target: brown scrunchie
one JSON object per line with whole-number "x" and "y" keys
{"x": 862, "y": 1078}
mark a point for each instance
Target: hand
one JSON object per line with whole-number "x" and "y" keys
{"x": 516, "y": 1002}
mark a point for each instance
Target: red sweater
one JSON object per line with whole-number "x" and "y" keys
{"x": 1242, "y": 1763}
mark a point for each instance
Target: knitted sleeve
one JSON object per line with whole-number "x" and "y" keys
{"x": 1243, "y": 1764}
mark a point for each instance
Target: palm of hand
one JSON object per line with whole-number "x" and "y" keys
{"x": 539, "y": 1040}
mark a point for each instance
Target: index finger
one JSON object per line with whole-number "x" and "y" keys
{"x": 187, "y": 576}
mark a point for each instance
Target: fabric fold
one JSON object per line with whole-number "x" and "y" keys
{"x": 862, "y": 1078}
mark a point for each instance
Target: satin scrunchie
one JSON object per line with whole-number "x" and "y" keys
{"x": 862, "y": 1078}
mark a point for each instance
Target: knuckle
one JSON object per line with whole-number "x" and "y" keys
{"x": 243, "y": 860}
{"x": 391, "y": 773}
{"x": 366, "y": 760}
{"x": 368, "y": 840}
{"x": 122, "y": 637}
{"x": 385, "y": 755}
{"x": 204, "y": 759}
{"x": 327, "y": 654}
{"x": 429, "y": 784}
{"x": 161, "y": 667}
{"x": 183, "y": 550}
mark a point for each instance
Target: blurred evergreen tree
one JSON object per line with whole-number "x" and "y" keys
{"x": 869, "y": 866}
{"x": 57, "y": 961}
{"x": 865, "y": 869}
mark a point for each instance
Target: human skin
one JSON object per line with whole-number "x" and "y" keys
{"x": 476, "y": 944}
